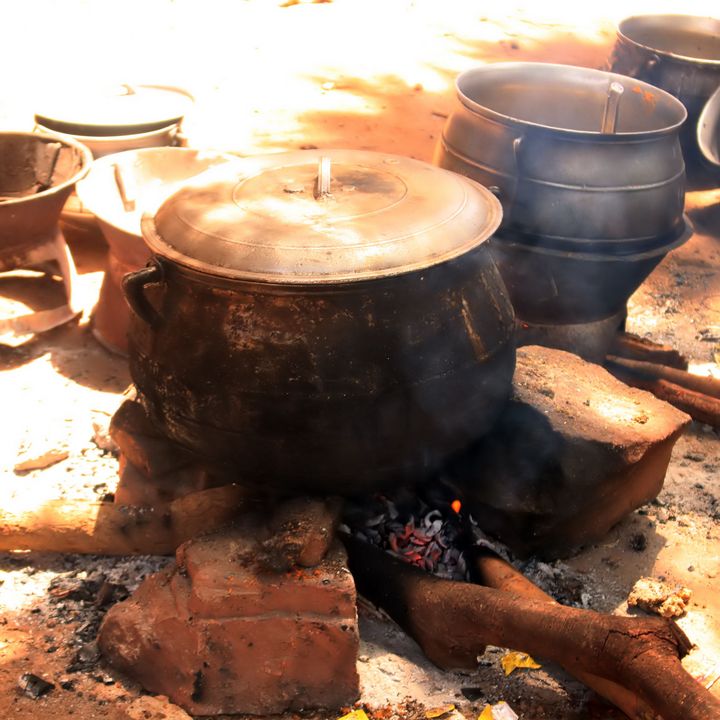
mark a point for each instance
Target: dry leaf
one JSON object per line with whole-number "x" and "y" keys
{"x": 357, "y": 714}
{"x": 513, "y": 660}
{"x": 438, "y": 711}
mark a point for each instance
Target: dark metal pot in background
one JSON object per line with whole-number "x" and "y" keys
{"x": 678, "y": 53}
{"x": 533, "y": 131}
{"x": 551, "y": 286}
{"x": 324, "y": 331}
{"x": 589, "y": 169}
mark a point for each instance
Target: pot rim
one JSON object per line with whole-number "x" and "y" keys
{"x": 86, "y": 196}
{"x": 87, "y": 161}
{"x": 100, "y": 139}
{"x": 570, "y": 133}
{"x": 674, "y": 18}
{"x": 323, "y": 285}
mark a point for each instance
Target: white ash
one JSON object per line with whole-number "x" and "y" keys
{"x": 73, "y": 590}
{"x": 557, "y": 579}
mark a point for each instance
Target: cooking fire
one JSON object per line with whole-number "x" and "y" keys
{"x": 394, "y": 397}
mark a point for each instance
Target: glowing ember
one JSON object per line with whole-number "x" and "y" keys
{"x": 410, "y": 530}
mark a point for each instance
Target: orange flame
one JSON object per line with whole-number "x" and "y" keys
{"x": 456, "y": 505}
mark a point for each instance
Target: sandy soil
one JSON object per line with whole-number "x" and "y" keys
{"x": 356, "y": 74}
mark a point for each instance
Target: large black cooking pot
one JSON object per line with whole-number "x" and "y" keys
{"x": 329, "y": 324}
{"x": 569, "y": 163}
{"x": 678, "y": 53}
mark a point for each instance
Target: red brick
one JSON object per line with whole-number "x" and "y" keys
{"x": 574, "y": 451}
{"x": 220, "y": 634}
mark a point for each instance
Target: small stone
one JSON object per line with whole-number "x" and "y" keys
{"x": 102, "y": 438}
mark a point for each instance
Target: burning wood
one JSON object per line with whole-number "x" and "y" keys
{"x": 412, "y": 531}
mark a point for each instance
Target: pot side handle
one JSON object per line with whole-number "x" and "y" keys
{"x": 133, "y": 285}
{"x": 508, "y": 198}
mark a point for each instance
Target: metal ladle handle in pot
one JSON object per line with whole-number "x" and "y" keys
{"x": 133, "y": 285}
{"x": 323, "y": 179}
{"x": 611, "y": 108}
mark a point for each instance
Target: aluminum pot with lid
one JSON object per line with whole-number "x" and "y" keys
{"x": 324, "y": 323}
{"x": 113, "y": 118}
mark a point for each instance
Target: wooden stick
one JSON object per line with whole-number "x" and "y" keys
{"x": 634, "y": 347}
{"x": 107, "y": 529}
{"x": 700, "y": 407}
{"x": 697, "y": 383}
{"x": 454, "y": 621}
{"x": 492, "y": 571}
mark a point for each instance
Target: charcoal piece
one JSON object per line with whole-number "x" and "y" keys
{"x": 34, "y": 686}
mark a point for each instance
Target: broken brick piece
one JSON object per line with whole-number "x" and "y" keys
{"x": 221, "y": 634}
{"x": 302, "y": 531}
{"x": 573, "y": 452}
{"x": 144, "y": 445}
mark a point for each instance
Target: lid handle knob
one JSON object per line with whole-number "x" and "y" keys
{"x": 322, "y": 182}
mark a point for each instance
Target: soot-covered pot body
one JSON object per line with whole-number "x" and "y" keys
{"x": 342, "y": 346}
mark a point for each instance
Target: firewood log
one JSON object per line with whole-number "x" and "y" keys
{"x": 454, "y": 621}
{"x": 701, "y": 407}
{"x": 492, "y": 571}
{"x": 697, "y": 383}
{"x": 634, "y": 347}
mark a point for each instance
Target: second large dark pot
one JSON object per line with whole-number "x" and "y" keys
{"x": 324, "y": 331}
{"x": 535, "y": 133}
{"x": 678, "y": 53}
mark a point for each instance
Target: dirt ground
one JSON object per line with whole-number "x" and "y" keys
{"x": 371, "y": 75}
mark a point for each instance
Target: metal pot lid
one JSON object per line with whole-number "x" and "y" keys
{"x": 113, "y": 109}
{"x": 322, "y": 217}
